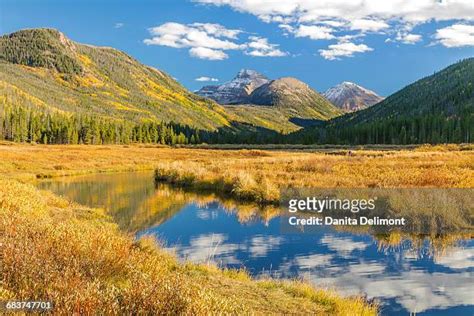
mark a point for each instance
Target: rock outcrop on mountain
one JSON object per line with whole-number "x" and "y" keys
{"x": 351, "y": 97}
{"x": 236, "y": 91}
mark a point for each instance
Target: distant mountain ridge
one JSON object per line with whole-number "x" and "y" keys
{"x": 296, "y": 96}
{"x": 285, "y": 97}
{"x": 351, "y": 97}
{"x": 236, "y": 91}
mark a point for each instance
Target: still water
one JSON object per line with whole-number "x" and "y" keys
{"x": 429, "y": 278}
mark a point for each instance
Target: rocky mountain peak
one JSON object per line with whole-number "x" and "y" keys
{"x": 289, "y": 83}
{"x": 236, "y": 91}
{"x": 350, "y": 97}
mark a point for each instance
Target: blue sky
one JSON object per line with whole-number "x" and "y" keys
{"x": 381, "y": 45}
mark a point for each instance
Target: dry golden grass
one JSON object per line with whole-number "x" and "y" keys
{"x": 75, "y": 256}
{"x": 259, "y": 175}
{"x": 245, "y": 170}
{"x": 52, "y": 249}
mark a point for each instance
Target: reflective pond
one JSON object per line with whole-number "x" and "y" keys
{"x": 429, "y": 277}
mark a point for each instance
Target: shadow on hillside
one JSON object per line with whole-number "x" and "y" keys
{"x": 244, "y": 133}
{"x": 302, "y": 122}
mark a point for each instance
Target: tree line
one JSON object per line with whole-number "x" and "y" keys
{"x": 21, "y": 124}
{"x": 430, "y": 128}
{"x": 28, "y": 125}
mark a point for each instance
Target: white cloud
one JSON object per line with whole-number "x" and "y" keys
{"x": 209, "y": 248}
{"x": 119, "y": 25}
{"x": 260, "y": 47}
{"x": 210, "y": 41}
{"x": 205, "y": 40}
{"x": 333, "y": 23}
{"x": 408, "y": 38}
{"x": 345, "y": 49}
{"x": 287, "y": 29}
{"x": 312, "y": 261}
{"x": 343, "y": 245}
{"x": 366, "y": 25}
{"x": 217, "y": 30}
{"x": 412, "y": 287}
{"x": 204, "y": 79}
{"x": 310, "y": 10}
{"x": 260, "y": 245}
{"x": 275, "y": 18}
{"x": 457, "y": 258}
{"x": 415, "y": 290}
{"x": 349, "y": 37}
{"x": 314, "y": 32}
{"x": 179, "y": 35}
{"x": 307, "y": 18}
{"x": 207, "y": 53}
{"x": 456, "y": 35}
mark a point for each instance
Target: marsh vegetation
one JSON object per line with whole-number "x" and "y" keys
{"x": 57, "y": 245}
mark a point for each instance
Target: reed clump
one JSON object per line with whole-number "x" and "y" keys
{"x": 242, "y": 185}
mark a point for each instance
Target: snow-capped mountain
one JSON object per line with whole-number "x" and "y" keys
{"x": 350, "y": 97}
{"x": 236, "y": 91}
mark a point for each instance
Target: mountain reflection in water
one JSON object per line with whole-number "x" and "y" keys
{"x": 429, "y": 275}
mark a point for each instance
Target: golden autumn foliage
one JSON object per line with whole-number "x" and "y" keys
{"x": 331, "y": 168}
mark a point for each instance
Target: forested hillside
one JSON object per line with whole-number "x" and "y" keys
{"x": 448, "y": 93}
{"x": 42, "y": 70}
{"x": 435, "y": 109}
{"x": 62, "y": 90}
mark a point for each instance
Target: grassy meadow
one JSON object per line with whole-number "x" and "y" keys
{"x": 449, "y": 166}
{"x": 76, "y": 256}
{"x": 259, "y": 175}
